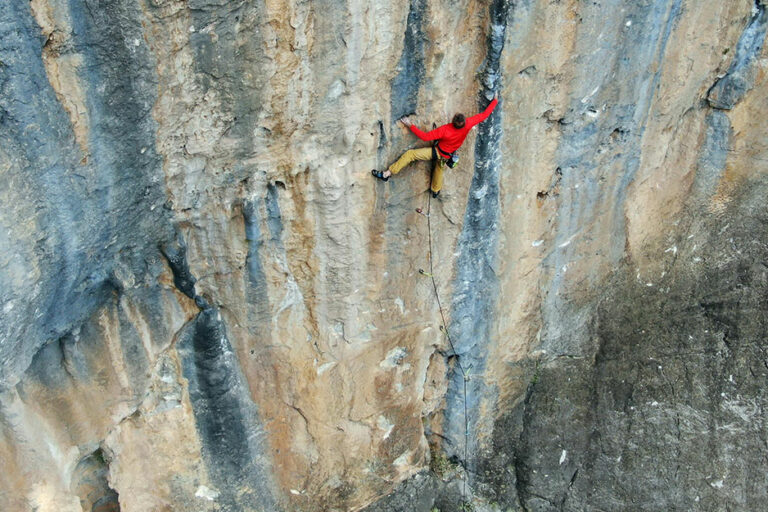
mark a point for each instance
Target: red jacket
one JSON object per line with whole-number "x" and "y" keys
{"x": 449, "y": 139}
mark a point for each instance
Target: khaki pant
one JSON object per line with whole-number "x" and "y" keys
{"x": 413, "y": 155}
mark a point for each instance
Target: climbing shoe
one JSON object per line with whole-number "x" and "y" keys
{"x": 380, "y": 175}
{"x": 435, "y": 194}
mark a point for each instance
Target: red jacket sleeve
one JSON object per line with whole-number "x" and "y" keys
{"x": 431, "y": 135}
{"x": 482, "y": 116}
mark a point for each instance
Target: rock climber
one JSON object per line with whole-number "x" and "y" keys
{"x": 449, "y": 139}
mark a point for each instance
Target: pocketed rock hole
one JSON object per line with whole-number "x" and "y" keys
{"x": 90, "y": 483}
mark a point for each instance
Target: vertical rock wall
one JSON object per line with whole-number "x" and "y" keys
{"x": 209, "y": 304}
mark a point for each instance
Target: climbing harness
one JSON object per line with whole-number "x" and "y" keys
{"x": 451, "y": 159}
{"x": 444, "y": 328}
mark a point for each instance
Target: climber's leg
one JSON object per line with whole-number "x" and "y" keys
{"x": 410, "y": 156}
{"x": 437, "y": 176}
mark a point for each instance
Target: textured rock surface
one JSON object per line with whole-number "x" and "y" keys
{"x": 208, "y": 304}
{"x": 666, "y": 413}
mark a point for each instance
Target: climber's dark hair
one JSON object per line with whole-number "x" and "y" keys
{"x": 458, "y": 121}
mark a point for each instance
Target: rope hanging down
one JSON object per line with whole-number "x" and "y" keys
{"x": 444, "y": 328}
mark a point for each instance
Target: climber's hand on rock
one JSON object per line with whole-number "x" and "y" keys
{"x": 406, "y": 121}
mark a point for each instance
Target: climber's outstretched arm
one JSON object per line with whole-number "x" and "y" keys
{"x": 482, "y": 116}
{"x": 430, "y": 135}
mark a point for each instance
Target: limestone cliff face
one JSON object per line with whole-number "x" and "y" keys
{"x": 209, "y": 304}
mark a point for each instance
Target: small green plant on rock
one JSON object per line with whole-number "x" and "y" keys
{"x": 536, "y": 373}
{"x": 439, "y": 464}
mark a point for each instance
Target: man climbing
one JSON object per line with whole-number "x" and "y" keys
{"x": 449, "y": 139}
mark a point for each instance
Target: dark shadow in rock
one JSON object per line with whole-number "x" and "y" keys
{"x": 90, "y": 482}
